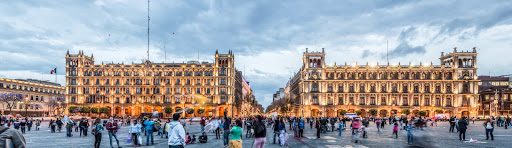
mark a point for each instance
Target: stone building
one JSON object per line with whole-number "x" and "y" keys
{"x": 324, "y": 90}
{"x": 132, "y": 89}
{"x": 36, "y": 95}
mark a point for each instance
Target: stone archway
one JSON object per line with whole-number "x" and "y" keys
{"x": 147, "y": 110}
{"x": 415, "y": 113}
{"x": 330, "y": 113}
{"x": 159, "y": 109}
{"x": 383, "y": 113}
{"x": 137, "y": 110}
{"x": 117, "y": 111}
{"x": 393, "y": 112}
{"x": 127, "y": 111}
{"x": 363, "y": 113}
{"x": 314, "y": 113}
{"x": 449, "y": 112}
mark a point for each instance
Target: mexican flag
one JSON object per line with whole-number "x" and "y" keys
{"x": 54, "y": 71}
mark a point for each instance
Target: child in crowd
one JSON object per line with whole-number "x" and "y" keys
{"x": 395, "y": 130}
{"x": 203, "y": 138}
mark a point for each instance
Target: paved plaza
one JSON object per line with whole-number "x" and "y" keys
{"x": 430, "y": 137}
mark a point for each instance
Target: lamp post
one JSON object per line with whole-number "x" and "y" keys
{"x": 468, "y": 103}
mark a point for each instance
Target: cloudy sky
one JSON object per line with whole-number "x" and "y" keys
{"x": 267, "y": 37}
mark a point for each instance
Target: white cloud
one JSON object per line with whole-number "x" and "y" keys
{"x": 268, "y": 37}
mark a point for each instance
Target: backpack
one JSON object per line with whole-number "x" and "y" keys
{"x": 94, "y": 131}
{"x": 155, "y": 127}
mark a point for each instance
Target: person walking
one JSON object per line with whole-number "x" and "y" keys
{"x": 452, "y": 124}
{"x": 148, "y": 125}
{"x": 236, "y": 135}
{"x": 38, "y": 124}
{"x": 98, "y": 127}
{"x": 166, "y": 133}
{"x": 410, "y": 130}
{"x": 355, "y": 128}
{"x": 301, "y": 128}
{"x": 282, "y": 132}
{"x": 226, "y": 125}
{"x": 377, "y": 123}
{"x": 340, "y": 128}
{"x": 260, "y": 132}
{"x": 112, "y": 127}
{"x": 29, "y": 124}
{"x": 216, "y": 128}
{"x": 23, "y": 125}
{"x": 176, "y": 133}
{"x": 318, "y": 128}
{"x": 69, "y": 128}
{"x": 489, "y": 128}
{"x": 462, "y": 128}
{"x": 395, "y": 130}
{"x": 276, "y": 131}
{"x": 135, "y": 130}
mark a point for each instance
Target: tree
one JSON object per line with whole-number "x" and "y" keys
{"x": 73, "y": 109}
{"x": 85, "y": 110}
{"x": 104, "y": 110}
{"x": 284, "y": 109}
{"x": 373, "y": 112}
{"x": 168, "y": 110}
{"x": 200, "y": 111}
{"x": 10, "y": 99}
{"x": 190, "y": 111}
{"x": 383, "y": 113}
{"x": 422, "y": 113}
{"x": 343, "y": 112}
{"x": 439, "y": 111}
{"x": 94, "y": 110}
{"x": 359, "y": 112}
{"x": 57, "y": 106}
{"x": 406, "y": 111}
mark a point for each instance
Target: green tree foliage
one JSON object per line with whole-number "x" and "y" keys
{"x": 94, "y": 110}
{"x": 358, "y": 112}
{"x": 343, "y": 112}
{"x": 373, "y": 112}
{"x": 168, "y": 110}
{"x": 422, "y": 113}
{"x": 104, "y": 110}
{"x": 406, "y": 111}
{"x": 439, "y": 111}
{"x": 383, "y": 113}
{"x": 73, "y": 109}
{"x": 85, "y": 110}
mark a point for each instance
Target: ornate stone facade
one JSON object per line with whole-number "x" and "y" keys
{"x": 36, "y": 94}
{"x": 129, "y": 90}
{"x": 323, "y": 90}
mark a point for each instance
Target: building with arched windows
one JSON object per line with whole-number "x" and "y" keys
{"x": 131, "y": 89}
{"x": 325, "y": 90}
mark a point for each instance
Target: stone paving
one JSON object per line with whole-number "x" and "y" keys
{"x": 430, "y": 137}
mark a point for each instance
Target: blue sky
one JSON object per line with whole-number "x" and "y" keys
{"x": 267, "y": 37}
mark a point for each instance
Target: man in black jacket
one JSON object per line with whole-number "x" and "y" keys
{"x": 226, "y": 127}
{"x": 276, "y": 130}
{"x": 452, "y": 124}
{"x": 462, "y": 128}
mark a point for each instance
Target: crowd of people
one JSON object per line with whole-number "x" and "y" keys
{"x": 254, "y": 127}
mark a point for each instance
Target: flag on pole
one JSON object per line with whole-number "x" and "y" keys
{"x": 54, "y": 71}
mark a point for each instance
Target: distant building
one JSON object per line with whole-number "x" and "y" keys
{"x": 36, "y": 92}
{"x": 324, "y": 90}
{"x": 495, "y": 96}
{"x": 132, "y": 89}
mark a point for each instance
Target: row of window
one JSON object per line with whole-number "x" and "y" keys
{"x": 405, "y": 101}
{"x": 148, "y": 82}
{"x": 222, "y": 72}
{"x": 29, "y": 88}
{"x": 383, "y": 88}
{"x": 173, "y": 100}
{"x": 390, "y": 75}
{"x": 146, "y": 90}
